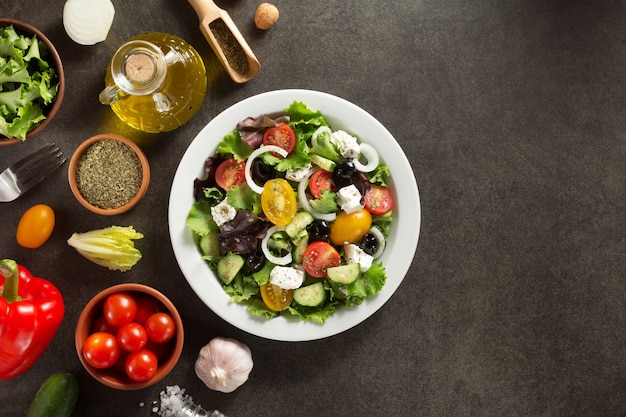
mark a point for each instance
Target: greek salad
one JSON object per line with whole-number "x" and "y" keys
{"x": 293, "y": 216}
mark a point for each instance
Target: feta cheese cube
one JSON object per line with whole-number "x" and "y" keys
{"x": 223, "y": 212}
{"x": 299, "y": 174}
{"x": 346, "y": 144}
{"x": 353, "y": 253}
{"x": 286, "y": 277}
{"x": 349, "y": 199}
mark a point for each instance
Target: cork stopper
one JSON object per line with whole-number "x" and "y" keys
{"x": 140, "y": 68}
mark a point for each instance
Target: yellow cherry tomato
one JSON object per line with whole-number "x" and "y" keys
{"x": 35, "y": 226}
{"x": 278, "y": 201}
{"x": 350, "y": 228}
{"x": 276, "y": 298}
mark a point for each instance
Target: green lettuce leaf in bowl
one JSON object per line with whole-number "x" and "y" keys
{"x": 28, "y": 84}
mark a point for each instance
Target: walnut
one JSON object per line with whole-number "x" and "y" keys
{"x": 266, "y": 15}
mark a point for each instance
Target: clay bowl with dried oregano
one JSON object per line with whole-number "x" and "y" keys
{"x": 109, "y": 174}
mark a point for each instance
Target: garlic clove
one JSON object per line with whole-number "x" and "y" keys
{"x": 224, "y": 364}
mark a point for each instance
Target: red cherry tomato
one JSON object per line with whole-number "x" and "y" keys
{"x": 160, "y": 327}
{"x": 321, "y": 180}
{"x": 101, "y": 350}
{"x": 120, "y": 308}
{"x": 132, "y": 336}
{"x": 318, "y": 256}
{"x": 282, "y": 136}
{"x": 141, "y": 365}
{"x": 230, "y": 173}
{"x": 100, "y": 324}
{"x": 378, "y": 200}
{"x": 161, "y": 350}
{"x": 146, "y": 306}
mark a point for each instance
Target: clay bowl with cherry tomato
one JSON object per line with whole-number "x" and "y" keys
{"x": 129, "y": 336}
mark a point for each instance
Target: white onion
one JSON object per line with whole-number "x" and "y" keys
{"x": 381, "y": 241}
{"x": 371, "y": 155}
{"x": 248, "y": 171}
{"x": 303, "y": 202}
{"x": 320, "y": 130}
{"x": 88, "y": 22}
{"x": 283, "y": 260}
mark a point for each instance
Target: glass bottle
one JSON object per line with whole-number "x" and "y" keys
{"x": 155, "y": 82}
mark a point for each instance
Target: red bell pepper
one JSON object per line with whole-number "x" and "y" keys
{"x": 31, "y": 311}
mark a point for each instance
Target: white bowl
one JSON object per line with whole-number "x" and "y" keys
{"x": 340, "y": 114}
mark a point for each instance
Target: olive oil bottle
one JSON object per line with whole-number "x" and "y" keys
{"x": 155, "y": 82}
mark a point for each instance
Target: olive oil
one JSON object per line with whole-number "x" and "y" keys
{"x": 156, "y": 82}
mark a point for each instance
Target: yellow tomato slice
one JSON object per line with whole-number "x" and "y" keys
{"x": 278, "y": 201}
{"x": 350, "y": 228}
{"x": 276, "y": 298}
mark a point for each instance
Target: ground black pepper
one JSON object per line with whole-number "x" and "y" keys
{"x": 108, "y": 174}
{"x": 233, "y": 51}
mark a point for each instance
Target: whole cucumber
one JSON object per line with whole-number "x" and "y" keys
{"x": 56, "y": 397}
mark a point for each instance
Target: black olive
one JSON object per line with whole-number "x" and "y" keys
{"x": 255, "y": 262}
{"x": 342, "y": 175}
{"x": 369, "y": 243}
{"x": 319, "y": 230}
{"x": 261, "y": 172}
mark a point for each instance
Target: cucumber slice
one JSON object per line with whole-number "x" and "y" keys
{"x": 323, "y": 163}
{"x": 299, "y": 222}
{"x": 344, "y": 274}
{"x": 229, "y": 266}
{"x": 300, "y": 248}
{"x": 56, "y": 397}
{"x": 311, "y": 295}
{"x": 210, "y": 246}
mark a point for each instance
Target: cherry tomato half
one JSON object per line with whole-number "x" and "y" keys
{"x": 35, "y": 226}
{"x": 318, "y": 256}
{"x": 141, "y": 365}
{"x": 160, "y": 327}
{"x": 282, "y": 136}
{"x": 350, "y": 228}
{"x": 131, "y": 337}
{"x": 278, "y": 201}
{"x": 146, "y": 306}
{"x": 120, "y": 308}
{"x": 378, "y": 199}
{"x": 101, "y": 350}
{"x": 276, "y": 298}
{"x": 321, "y": 180}
{"x": 230, "y": 173}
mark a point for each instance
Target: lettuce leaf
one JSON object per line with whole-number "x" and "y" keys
{"x": 112, "y": 247}
{"x": 27, "y": 83}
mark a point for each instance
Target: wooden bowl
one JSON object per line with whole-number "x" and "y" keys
{"x": 114, "y": 376}
{"x": 55, "y": 62}
{"x": 74, "y": 176}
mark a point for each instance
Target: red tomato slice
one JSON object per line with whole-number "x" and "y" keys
{"x": 378, "y": 200}
{"x": 321, "y": 180}
{"x": 230, "y": 173}
{"x": 282, "y": 136}
{"x": 318, "y": 256}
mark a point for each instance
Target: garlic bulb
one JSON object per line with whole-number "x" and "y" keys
{"x": 224, "y": 364}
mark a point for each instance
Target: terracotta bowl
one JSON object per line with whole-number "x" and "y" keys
{"x": 92, "y": 206}
{"x": 115, "y": 376}
{"x": 55, "y": 62}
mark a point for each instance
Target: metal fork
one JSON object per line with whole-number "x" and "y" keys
{"x": 25, "y": 173}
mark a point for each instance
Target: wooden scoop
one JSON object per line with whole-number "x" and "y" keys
{"x": 226, "y": 41}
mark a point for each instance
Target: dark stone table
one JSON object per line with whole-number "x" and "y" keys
{"x": 513, "y": 117}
